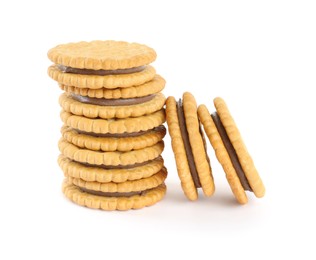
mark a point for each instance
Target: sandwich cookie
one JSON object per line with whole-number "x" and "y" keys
{"x": 231, "y": 151}
{"x": 114, "y": 142}
{"x": 102, "y": 64}
{"x": 111, "y": 108}
{"x": 99, "y": 200}
{"x": 189, "y": 146}
{"x": 110, "y": 159}
{"x": 111, "y": 189}
{"x": 114, "y": 126}
{"x": 154, "y": 86}
{"x": 115, "y": 174}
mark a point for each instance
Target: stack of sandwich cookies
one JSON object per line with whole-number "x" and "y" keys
{"x": 113, "y": 113}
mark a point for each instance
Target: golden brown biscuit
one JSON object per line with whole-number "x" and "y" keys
{"x": 98, "y": 174}
{"x": 80, "y": 197}
{"x": 70, "y": 104}
{"x": 110, "y": 158}
{"x": 115, "y": 142}
{"x": 97, "y": 81}
{"x": 188, "y": 146}
{"x": 102, "y": 55}
{"x": 230, "y": 151}
{"x": 123, "y": 187}
{"x": 154, "y": 86}
{"x": 124, "y": 142}
{"x": 179, "y": 150}
{"x": 114, "y": 126}
{"x": 197, "y": 144}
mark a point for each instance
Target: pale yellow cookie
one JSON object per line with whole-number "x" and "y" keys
{"x": 97, "y": 82}
{"x": 106, "y": 112}
{"x": 222, "y": 153}
{"x": 128, "y": 186}
{"x": 123, "y": 144}
{"x": 147, "y": 198}
{"x": 110, "y": 158}
{"x": 197, "y": 145}
{"x": 240, "y": 148}
{"x": 179, "y": 151}
{"x": 97, "y": 174}
{"x": 105, "y": 55}
{"x": 114, "y": 126}
{"x": 154, "y": 86}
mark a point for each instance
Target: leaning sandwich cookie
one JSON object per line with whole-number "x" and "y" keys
{"x": 231, "y": 151}
{"x": 189, "y": 146}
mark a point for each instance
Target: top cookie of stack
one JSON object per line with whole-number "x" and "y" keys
{"x": 113, "y": 113}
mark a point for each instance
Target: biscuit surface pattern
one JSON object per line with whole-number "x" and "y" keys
{"x": 106, "y": 55}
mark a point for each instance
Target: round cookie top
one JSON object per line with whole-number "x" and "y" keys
{"x": 102, "y": 55}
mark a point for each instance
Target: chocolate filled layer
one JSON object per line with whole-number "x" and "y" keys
{"x": 231, "y": 152}
{"x": 112, "y": 194}
{"x": 100, "y": 72}
{"x": 134, "y": 134}
{"x": 187, "y": 145}
{"x": 110, "y": 167}
{"x": 112, "y": 102}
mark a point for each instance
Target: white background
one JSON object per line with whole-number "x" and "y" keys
{"x": 258, "y": 55}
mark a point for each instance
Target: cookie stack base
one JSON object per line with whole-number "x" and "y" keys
{"x": 82, "y": 198}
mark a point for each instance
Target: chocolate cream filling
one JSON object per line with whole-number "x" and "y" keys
{"x": 118, "y": 194}
{"x": 187, "y": 145}
{"x": 231, "y": 152}
{"x": 114, "y": 194}
{"x": 133, "y": 134}
{"x": 110, "y": 167}
{"x": 112, "y": 102}
{"x": 100, "y": 72}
